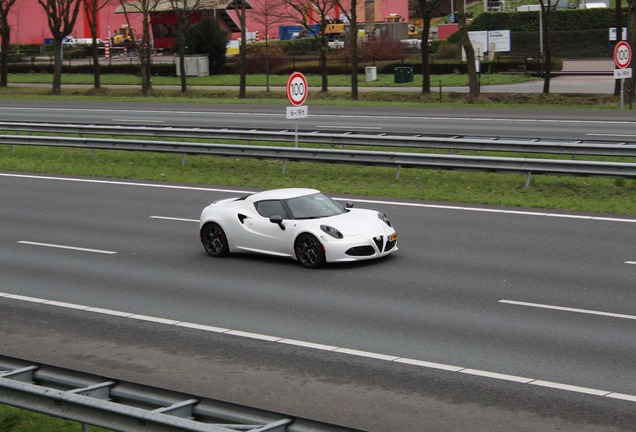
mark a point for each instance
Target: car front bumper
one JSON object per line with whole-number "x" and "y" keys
{"x": 360, "y": 247}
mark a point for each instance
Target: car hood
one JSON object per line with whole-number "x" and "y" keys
{"x": 356, "y": 222}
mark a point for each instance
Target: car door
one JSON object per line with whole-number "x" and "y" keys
{"x": 266, "y": 236}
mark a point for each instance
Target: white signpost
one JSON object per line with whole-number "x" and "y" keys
{"x": 297, "y": 91}
{"x": 622, "y": 59}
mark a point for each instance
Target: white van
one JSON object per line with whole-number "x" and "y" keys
{"x": 87, "y": 41}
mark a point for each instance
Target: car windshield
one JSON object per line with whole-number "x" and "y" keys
{"x": 314, "y": 206}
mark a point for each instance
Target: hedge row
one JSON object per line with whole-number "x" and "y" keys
{"x": 562, "y": 20}
{"x": 160, "y": 69}
{"x": 571, "y": 44}
{"x": 438, "y": 67}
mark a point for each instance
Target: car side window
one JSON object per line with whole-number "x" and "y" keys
{"x": 271, "y": 208}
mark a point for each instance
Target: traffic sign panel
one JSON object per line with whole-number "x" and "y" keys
{"x": 622, "y": 54}
{"x": 297, "y": 89}
{"x": 622, "y": 73}
{"x": 296, "y": 112}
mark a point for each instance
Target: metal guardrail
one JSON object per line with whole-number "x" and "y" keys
{"x": 493, "y": 144}
{"x": 123, "y": 406}
{"x": 528, "y": 166}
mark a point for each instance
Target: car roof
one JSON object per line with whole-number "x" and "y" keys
{"x": 281, "y": 194}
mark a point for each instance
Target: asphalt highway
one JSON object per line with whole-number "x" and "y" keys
{"x": 570, "y": 125}
{"x": 487, "y": 319}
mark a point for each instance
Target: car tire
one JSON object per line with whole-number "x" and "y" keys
{"x": 309, "y": 251}
{"x": 214, "y": 240}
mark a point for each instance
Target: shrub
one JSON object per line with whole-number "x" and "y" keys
{"x": 258, "y": 54}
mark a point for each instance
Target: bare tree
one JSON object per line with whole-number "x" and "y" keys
{"x": 61, "y": 16}
{"x": 631, "y": 39}
{"x": 240, "y": 7}
{"x": 145, "y": 8}
{"x": 184, "y": 10}
{"x": 352, "y": 16}
{"x": 301, "y": 13}
{"x": 473, "y": 79}
{"x": 269, "y": 13}
{"x": 429, "y": 9}
{"x": 547, "y": 7}
{"x": 5, "y": 33}
{"x": 91, "y": 9}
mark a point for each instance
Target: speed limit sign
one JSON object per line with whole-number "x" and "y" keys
{"x": 297, "y": 89}
{"x": 622, "y": 55}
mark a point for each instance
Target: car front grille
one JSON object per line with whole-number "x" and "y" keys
{"x": 379, "y": 242}
{"x": 389, "y": 245}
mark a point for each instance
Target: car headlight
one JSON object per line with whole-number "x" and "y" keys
{"x": 331, "y": 231}
{"x": 384, "y": 218}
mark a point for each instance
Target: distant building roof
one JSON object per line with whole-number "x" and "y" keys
{"x": 160, "y": 6}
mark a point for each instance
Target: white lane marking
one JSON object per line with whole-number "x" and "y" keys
{"x": 630, "y": 262}
{"x": 611, "y": 135}
{"x": 321, "y": 347}
{"x": 58, "y": 246}
{"x": 122, "y": 183}
{"x": 570, "y": 388}
{"x": 383, "y": 202}
{"x": 348, "y": 127}
{"x": 138, "y": 120}
{"x": 174, "y": 219}
{"x": 568, "y": 309}
{"x": 494, "y": 210}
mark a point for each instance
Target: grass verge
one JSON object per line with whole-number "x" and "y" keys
{"x": 385, "y": 91}
{"x": 19, "y": 420}
{"x": 545, "y": 192}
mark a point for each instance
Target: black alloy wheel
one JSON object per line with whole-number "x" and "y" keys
{"x": 214, "y": 240}
{"x": 309, "y": 251}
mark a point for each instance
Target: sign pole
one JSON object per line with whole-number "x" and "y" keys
{"x": 622, "y": 59}
{"x": 622, "y": 94}
{"x": 297, "y": 90}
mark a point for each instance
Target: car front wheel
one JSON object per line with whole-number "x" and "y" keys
{"x": 214, "y": 240}
{"x": 309, "y": 251}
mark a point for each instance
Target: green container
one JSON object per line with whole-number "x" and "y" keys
{"x": 403, "y": 74}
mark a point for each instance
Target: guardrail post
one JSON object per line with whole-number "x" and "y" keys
{"x": 528, "y": 179}
{"x": 397, "y": 174}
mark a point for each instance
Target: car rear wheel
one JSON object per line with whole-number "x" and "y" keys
{"x": 214, "y": 240}
{"x": 309, "y": 251}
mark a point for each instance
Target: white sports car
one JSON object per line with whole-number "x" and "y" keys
{"x": 302, "y": 224}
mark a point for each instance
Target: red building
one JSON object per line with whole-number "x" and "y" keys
{"x": 29, "y": 24}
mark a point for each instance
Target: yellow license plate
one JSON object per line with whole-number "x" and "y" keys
{"x": 393, "y": 237}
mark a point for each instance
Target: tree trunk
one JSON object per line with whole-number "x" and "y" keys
{"x": 353, "y": 43}
{"x": 323, "y": 66}
{"x": 57, "y": 66}
{"x": 243, "y": 54}
{"x": 426, "y": 56}
{"x": 96, "y": 71}
{"x": 4, "y": 55}
{"x": 618, "y": 14}
{"x": 182, "y": 68}
{"x": 631, "y": 39}
{"x": 547, "y": 51}
{"x": 145, "y": 59}
{"x": 473, "y": 79}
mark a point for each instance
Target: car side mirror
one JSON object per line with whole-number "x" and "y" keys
{"x": 277, "y": 220}
{"x": 349, "y": 205}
